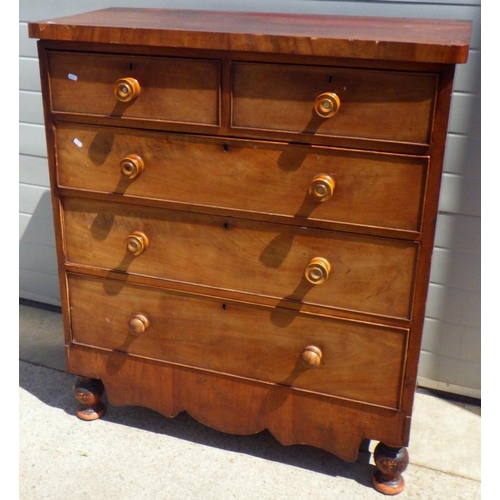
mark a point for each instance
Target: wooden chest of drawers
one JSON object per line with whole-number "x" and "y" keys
{"x": 244, "y": 208}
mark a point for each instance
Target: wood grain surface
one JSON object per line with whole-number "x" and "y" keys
{"x": 417, "y": 40}
{"x": 380, "y": 190}
{"x": 291, "y": 416}
{"x": 175, "y": 90}
{"x": 369, "y": 274}
{"x": 380, "y": 105}
{"x": 360, "y": 362}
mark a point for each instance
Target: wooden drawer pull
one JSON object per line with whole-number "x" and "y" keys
{"x": 136, "y": 243}
{"x": 137, "y": 324}
{"x": 132, "y": 166}
{"x": 326, "y": 104}
{"x": 317, "y": 271}
{"x": 311, "y": 356}
{"x": 321, "y": 188}
{"x": 126, "y": 89}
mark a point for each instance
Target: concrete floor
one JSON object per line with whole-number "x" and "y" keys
{"x": 136, "y": 453}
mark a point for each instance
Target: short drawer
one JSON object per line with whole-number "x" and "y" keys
{"x": 361, "y": 273}
{"x": 170, "y": 89}
{"x": 372, "y": 104}
{"x": 313, "y": 184}
{"x": 357, "y": 361}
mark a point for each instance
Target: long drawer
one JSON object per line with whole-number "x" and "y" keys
{"x": 316, "y": 184}
{"x": 158, "y": 88}
{"x": 361, "y": 273}
{"x": 356, "y": 361}
{"x": 372, "y": 104}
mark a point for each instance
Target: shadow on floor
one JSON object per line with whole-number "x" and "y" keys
{"x": 54, "y": 388}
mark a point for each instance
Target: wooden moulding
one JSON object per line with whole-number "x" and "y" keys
{"x": 417, "y": 40}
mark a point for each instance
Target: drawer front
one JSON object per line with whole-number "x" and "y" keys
{"x": 376, "y": 105}
{"x": 369, "y": 274}
{"x": 370, "y": 189}
{"x": 358, "y": 362}
{"x": 170, "y": 89}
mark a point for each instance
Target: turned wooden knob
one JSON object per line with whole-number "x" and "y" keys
{"x": 136, "y": 243}
{"x": 131, "y": 166}
{"x": 311, "y": 356}
{"x": 321, "y": 188}
{"x": 317, "y": 271}
{"x": 326, "y": 104}
{"x": 126, "y": 89}
{"x": 137, "y": 324}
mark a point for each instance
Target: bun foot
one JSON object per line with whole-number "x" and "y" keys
{"x": 391, "y": 463}
{"x": 88, "y": 392}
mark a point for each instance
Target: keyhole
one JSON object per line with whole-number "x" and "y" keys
{"x": 330, "y": 78}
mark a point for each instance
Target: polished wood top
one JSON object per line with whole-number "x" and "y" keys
{"x": 415, "y": 40}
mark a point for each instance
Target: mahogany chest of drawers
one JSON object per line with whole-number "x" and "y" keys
{"x": 244, "y": 208}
